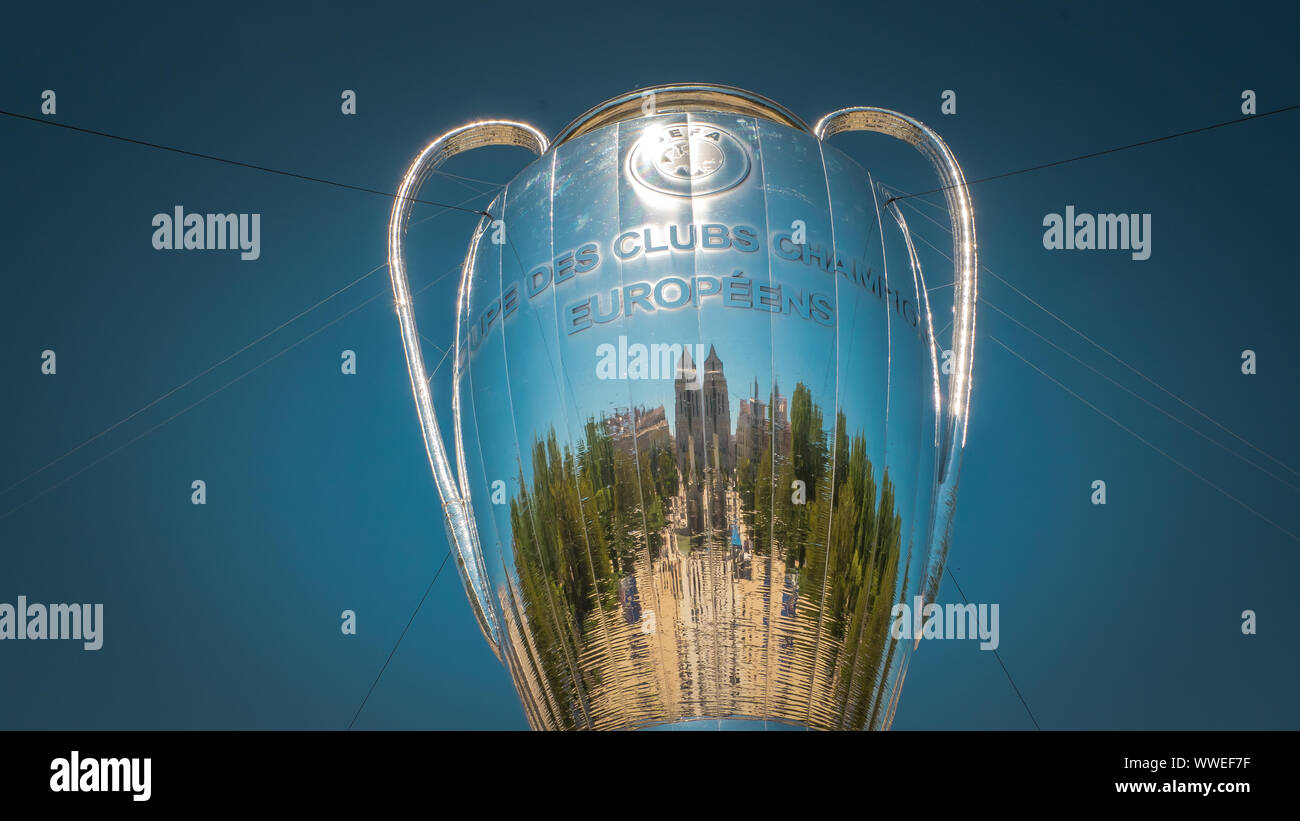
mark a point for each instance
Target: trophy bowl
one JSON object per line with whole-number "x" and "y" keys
{"x": 702, "y": 443}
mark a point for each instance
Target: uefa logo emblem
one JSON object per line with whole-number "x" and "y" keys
{"x": 688, "y": 160}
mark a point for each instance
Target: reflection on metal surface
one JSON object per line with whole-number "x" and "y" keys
{"x": 702, "y": 446}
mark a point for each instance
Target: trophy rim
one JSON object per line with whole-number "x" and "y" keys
{"x": 681, "y": 97}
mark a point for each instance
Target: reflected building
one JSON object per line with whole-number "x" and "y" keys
{"x": 702, "y": 410}
{"x": 703, "y": 417}
{"x": 754, "y": 430}
{"x": 639, "y": 429}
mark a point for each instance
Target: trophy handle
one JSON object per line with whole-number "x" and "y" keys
{"x": 962, "y": 218}
{"x": 454, "y": 493}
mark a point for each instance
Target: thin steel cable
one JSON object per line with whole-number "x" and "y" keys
{"x": 1138, "y": 437}
{"x": 996, "y": 654}
{"x": 1125, "y": 388}
{"x": 1146, "y": 401}
{"x": 1106, "y": 151}
{"x": 227, "y": 161}
{"x": 393, "y": 652}
{"x": 1115, "y": 357}
{"x": 208, "y": 396}
{"x": 208, "y": 369}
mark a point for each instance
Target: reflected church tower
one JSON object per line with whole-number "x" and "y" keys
{"x": 703, "y": 436}
{"x": 703, "y": 418}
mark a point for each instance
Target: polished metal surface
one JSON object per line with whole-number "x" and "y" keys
{"x": 961, "y": 216}
{"x": 461, "y": 533}
{"x": 677, "y": 98}
{"x": 702, "y": 442}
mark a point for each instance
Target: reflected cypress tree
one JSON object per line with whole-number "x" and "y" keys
{"x": 809, "y": 462}
{"x": 864, "y": 558}
{"x": 605, "y": 503}
{"x": 889, "y": 656}
{"x": 583, "y": 521}
{"x": 665, "y": 473}
{"x": 762, "y": 507}
{"x": 542, "y": 603}
{"x": 855, "y": 573}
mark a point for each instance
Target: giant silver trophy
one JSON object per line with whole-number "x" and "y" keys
{"x": 702, "y": 441}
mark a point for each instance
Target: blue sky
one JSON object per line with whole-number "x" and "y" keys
{"x": 319, "y": 496}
